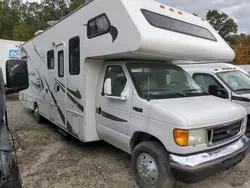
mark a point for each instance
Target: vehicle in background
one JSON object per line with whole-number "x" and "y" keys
{"x": 116, "y": 81}
{"x": 17, "y": 80}
{"x": 8, "y": 50}
{"x": 223, "y": 80}
{"x": 245, "y": 68}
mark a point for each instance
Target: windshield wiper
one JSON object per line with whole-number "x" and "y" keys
{"x": 191, "y": 90}
{"x": 243, "y": 89}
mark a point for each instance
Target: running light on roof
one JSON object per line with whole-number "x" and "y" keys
{"x": 203, "y": 19}
{"x": 171, "y": 9}
{"x": 216, "y": 69}
{"x": 179, "y": 12}
{"x": 162, "y": 6}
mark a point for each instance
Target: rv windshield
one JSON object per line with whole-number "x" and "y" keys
{"x": 161, "y": 80}
{"x": 236, "y": 81}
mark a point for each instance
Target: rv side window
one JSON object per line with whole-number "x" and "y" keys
{"x": 74, "y": 56}
{"x": 50, "y": 59}
{"x": 171, "y": 24}
{"x": 118, "y": 79}
{"x": 61, "y": 63}
{"x": 98, "y": 26}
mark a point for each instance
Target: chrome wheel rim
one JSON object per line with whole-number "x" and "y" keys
{"x": 147, "y": 168}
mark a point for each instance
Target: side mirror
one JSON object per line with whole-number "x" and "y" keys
{"x": 17, "y": 77}
{"x": 212, "y": 90}
{"x": 219, "y": 92}
{"x": 107, "y": 87}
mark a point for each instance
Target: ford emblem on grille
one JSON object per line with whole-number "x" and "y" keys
{"x": 230, "y": 132}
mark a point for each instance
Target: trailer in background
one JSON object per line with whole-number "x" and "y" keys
{"x": 8, "y": 50}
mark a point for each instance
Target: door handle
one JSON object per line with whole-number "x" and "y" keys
{"x": 138, "y": 109}
{"x": 99, "y": 110}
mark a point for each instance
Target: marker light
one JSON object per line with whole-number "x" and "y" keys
{"x": 181, "y": 137}
{"x": 179, "y": 12}
{"x": 171, "y": 9}
{"x": 162, "y": 6}
{"x": 203, "y": 19}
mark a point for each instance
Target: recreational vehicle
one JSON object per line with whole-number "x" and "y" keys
{"x": 223, "y": 80}
{"x": 106, "y": 72}
{"x": 8, "y": 50}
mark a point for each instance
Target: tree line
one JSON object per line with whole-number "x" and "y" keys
{"x": 21, "y": 20}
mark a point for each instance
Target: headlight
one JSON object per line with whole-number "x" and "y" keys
{"x": 189, "y": 137}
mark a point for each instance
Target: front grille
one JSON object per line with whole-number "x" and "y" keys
{"x": 223, "y": 133}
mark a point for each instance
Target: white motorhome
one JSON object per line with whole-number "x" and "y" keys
{"x": 106, "y": 72}
{"x": 223, "y": 80}
{"x": 8, "y": 50}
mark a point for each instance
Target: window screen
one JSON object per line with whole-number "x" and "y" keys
{"x": 50, "y": 59}
{"x": 61, "y": 63}
{"x": 98, "y": 26}
{"x": 74, "y": 56}
{"x": 178, "y": 26}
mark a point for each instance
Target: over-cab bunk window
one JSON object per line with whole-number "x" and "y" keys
{"x": 97, "y": 26}
{"x": 171, "y": 24}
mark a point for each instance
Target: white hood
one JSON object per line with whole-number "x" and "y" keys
{"x": 203, "y": 111}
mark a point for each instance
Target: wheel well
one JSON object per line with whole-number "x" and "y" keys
{"x": 35, "y": 105}
{"x": 142, "y": 137}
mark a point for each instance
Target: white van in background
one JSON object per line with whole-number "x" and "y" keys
{"x": 106, "y": 72}
{"x": 8, "y": 50}
{"x": 223, "y": 80}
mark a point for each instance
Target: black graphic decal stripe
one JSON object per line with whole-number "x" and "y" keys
{"x": 24, "y": 51}
{"x": 35, "y": 85}
{"x": 79, "y": 106}
{"x": 112, "y": 117}
{"x": 42, "y": 84}
{"x": 75, "y": 102}
{"x": 113, "y": 32}
{"x": 76, "y": 93}
{"x": 54, "y": 99}
{"x": 38, "y": 54}
{"x": 69, "y": 127}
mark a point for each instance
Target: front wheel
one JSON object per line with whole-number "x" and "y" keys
{"x": 150, "y": 163}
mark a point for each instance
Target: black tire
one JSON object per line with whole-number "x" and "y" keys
{"x": 14, "y": 181}
{"x": 161, "y": 158}
{"x": 37, "y": 116}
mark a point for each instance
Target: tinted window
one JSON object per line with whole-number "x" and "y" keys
{"x": 206, "y": 80}
{"x": 74, "y": 56}
{"x": 118, "y": 79}
{"x": 98, "y": 26}
{"x": 61, "y": 63}
{"x": 50, "y": 59}
{"x": 172, "y": 24}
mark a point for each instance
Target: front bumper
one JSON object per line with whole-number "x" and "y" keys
{"x": 198, "y": 167}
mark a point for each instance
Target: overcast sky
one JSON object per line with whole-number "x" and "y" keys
{"x": 239, "y": 10}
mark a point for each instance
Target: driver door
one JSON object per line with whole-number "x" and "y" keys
{"x": 113, "y": 114}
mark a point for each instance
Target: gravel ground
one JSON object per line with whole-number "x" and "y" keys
{"x": 47, "y": 159}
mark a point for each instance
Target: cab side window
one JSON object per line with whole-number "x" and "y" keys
{"x": 118, "y": 79}
{"x": 210, "y": 85}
